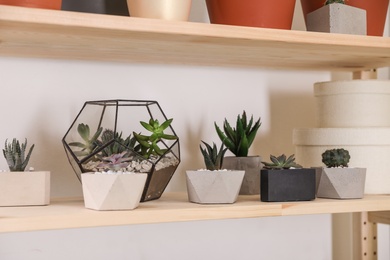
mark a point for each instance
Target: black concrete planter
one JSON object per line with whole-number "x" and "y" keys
{"x": 288, "y": 185}
{"x": 113, "y": 7}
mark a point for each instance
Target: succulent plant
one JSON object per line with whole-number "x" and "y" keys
{"x": 115, "y": 162}
{"x": 148, "y": 145}
{"x": 14, "y": 153}
{"x": 213, "y": 158}
{"x": 90, "y": 143}
{"x": 336, "y": 158}
{"x": 239, "y": 139}
{"x": 281, "y": 162}
{"x": 328, "y": 2}
{"x": 120, "y": 145}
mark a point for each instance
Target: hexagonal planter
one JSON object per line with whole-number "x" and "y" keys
{"x": 109, "y": 127}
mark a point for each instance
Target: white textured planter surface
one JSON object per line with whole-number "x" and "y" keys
{"x": 176, "y": 10}
{"x": 353, "y": 103}
{"x": 24, "y": 188}
{"x": 369, "y": 148}
{"x": 112, "y": 191}
{"x": 206, "y": 187}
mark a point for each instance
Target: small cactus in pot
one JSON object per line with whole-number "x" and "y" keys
{"x": 336, "y": 158}
{"x": 15, "y": 154}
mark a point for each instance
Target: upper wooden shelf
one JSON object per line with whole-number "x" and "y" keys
{"x": 28, "y": 32}
{"x": 172, "y": 207}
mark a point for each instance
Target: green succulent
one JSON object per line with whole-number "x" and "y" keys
{"x": 115, "y": 162}
{"x": 336, "y": 158}
{"x": 213, "y": 158}
{"x": 328, "y": 2}
{"x": 14, "y": 153}
{"x": 148, "y": 145}
{"x": 281, "y": 162}
{"x": 120, "y": 145}
{"x": 90, "y": 143}
{"x": 239, "y": 139}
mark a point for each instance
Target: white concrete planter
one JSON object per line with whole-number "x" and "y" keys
{"x": 24, "y": 188}
{"x": 342, "y": 183}
{"x": 207, "y": 187}
{"x": 369, "y": 148}
{"x": 112, "y": 191}
{"x": 176, "y": 10}
{"x": 338, "y": 18}
{"x": 353, "y": 103}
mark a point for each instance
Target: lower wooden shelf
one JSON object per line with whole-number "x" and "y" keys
{"x": 172, "y": 207}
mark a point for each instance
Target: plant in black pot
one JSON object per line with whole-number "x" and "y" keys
{"x": 213, "y": 185}
{"x": 283, "y": 179}
{"x": 238, "y": 140}
{"x": 339, "y": 181}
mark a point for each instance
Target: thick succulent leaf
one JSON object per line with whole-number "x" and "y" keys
{"x": 168, "y": 137}
{"x": 225, "y": 140}
{"x": 165, "y": 125}
{"x": 230, "y": 132}
{"x": 84, "y": 132}
{"x": 147, "y": 126}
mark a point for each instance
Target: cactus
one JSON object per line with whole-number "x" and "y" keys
{"x": 238, "y": 140}
{"x": 115, "y": 162}
{"x": 328, "y": 2}
{"x": 213, "y": 158}
{"x": 14, "y": 153}
{"x": 148, "y": 145}
{"x": 120, "y": 145}
{"x": 336, "y": 158}
{"x": 281, "y": 162}
{"x": 90, "y": 143}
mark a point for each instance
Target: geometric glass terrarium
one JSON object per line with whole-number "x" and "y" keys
{"x": 107, "y": 128}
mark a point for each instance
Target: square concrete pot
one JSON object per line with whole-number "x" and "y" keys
{"x": 338, "y": 18}
{"x": 288, "y": 185}
{"x": 24, "y": 188}
{"x": 342, "y": 183}
{"x": 213, "y": 187}
{"x": 112, "y": 191}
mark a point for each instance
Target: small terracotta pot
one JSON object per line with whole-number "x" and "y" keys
{"x": 176, "y": 10}
{"x": 46, "y": 4}
{"x": 376, "y": 12}
{"x": 276, "y": 14}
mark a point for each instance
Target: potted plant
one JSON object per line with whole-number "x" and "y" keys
{"x": 376, "y": 12}
{"x": 19, "y": 187}
{"x": 113, "y": 187}
{"x": 109, "y": 127}
{"x": 337, "y": 17}
{"x": 238, "y": 140}
{"x": 46, "y": 4}
{"x": 337, "y": 180}
{"x": 176, "y": 10}
{"x": 113, "y": 7}
{"x": 277, "y": 14}
{"x": 213, "y": 185}
{"x": 283, "y": 179}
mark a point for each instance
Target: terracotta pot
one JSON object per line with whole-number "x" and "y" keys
{"x": 276, "y": 14}
{"x": 376, "y": 12}
{"x": 46, "y": 4}
{"x": 176, "y": 10}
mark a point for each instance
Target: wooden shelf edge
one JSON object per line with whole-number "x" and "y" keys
{"x": 172, "y": 207}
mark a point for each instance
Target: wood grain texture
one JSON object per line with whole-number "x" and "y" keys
{"x": 172, "y": 207}
{"x": 28, "y": 32}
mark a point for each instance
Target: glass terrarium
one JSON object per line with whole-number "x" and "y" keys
{"x": 134, "y": 132}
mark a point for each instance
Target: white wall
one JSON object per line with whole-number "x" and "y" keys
{"x": 40, "y": 98}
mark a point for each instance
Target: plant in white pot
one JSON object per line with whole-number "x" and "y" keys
{"x": 19, "y": 187}
{"x": 238, "y": 140}
{"x": 213, "y": 185}
{"x": 337, "y": 17}
{"x": 337, "y": 180}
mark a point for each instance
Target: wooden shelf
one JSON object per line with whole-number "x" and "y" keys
{"x": 29, "y": 32}
{"x": 172, "y": 207}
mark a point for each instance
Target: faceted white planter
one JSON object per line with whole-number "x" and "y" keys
{"x": 24, "y": 188}
{"x": 353, "y": 103}
{"x": 112, "y": 191}
{"x": 338, "y": 18}
{"x": 369, "y": 148}
{"x": 342, "y": 183}
{"x": 175, "y": 10}
{"x": 207, "y": 187}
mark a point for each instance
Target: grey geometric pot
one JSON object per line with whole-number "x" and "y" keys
{"x": 338, "y": 18}
{"x": 252, "y": 166}
{"x": 342, "y": 183}
{"x": 212, "y": 187}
